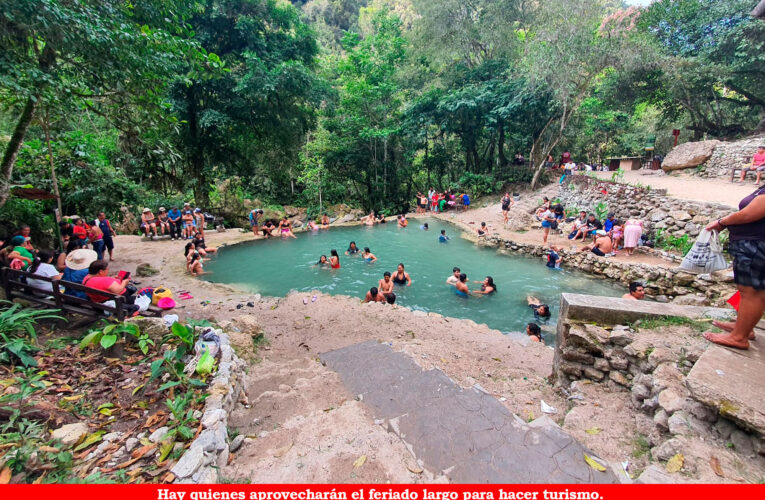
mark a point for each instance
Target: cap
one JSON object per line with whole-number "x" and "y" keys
{"x": 162, "y": 209}
{"x": 197, "y": 210}
{"x": 611, "y": 214}
{"x": 17, "y": 240}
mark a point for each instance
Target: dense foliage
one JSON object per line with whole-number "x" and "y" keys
{"x": 315, "y": 102}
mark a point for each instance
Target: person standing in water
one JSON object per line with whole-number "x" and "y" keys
{"x": 368, "y": 255}
{"x": 487, "y": 287}
{"x": 334, "y": 259}
{"x": 401, "y": 277}
{"x": 455, "y": 277}
{"x": 461, "y": 286}
{"x": 373, "y": 295}
{"x": 385, "y": 285}
{"x": 442, "y": 238}
{"x": 352, "y": 249}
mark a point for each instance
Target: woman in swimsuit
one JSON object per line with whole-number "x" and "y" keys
{"x": 334, "y": 259}
{"x": 381, "y": 219}
{"x": 323, "y": 262}
{"x": 402, "y": 222}
{"x": 352, "y": 249}
{"x": 285, "y": 228}
{"x": 401, "y": 277}
{"x": 487, "y": 287}
{"x": 324, "y": 222}
{"x": 368, "y": 256}
{"x": 506, "y": 202}
{"x": 461, "y": 288}
{"x": 369, "y": 220}
{"x": 195, "y": 265}
{"x": 534, "y": 332}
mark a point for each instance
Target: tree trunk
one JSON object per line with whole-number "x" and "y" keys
{"x": 14, "y": 145}
{"x": 199, "y": 181}
{"x": 501, "y": 141}
{"x": 476, "y": 161}
{"x": 54, "y": 179}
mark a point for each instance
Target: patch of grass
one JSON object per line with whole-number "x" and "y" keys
{"x": 697, "y": 325}
{"x": 640, "y": 446}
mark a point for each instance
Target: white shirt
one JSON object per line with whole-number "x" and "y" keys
{"x": 47, "y": 271}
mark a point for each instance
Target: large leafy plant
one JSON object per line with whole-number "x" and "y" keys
{"x": 18, "y": 334}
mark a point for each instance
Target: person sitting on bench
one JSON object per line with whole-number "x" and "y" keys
{"x": 99, "y": 279}
{"x": 757, "y": 165}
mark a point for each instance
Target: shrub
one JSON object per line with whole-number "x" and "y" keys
{"x": 478, "y": 185}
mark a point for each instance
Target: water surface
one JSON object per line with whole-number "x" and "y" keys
{"x": 276, "y": 267}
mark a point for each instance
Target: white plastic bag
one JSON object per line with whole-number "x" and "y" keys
{"x": 706, "y": 255}
{"x": 143, "y": 302}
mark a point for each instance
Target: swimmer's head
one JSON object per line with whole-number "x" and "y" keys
{"x": 463, "y": 277}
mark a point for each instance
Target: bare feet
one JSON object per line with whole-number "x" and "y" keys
{"x": 728, "y": 327}
{"x": 726, "y": 340}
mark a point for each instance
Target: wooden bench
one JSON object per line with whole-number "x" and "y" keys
{"x": 746, "y": 161}
{"x": 16, "y": 287}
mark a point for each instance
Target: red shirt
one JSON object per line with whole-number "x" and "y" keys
{"x": 100, "y": 283}
{"x": 80, "y": 232}
{"x": 759, "y": 159}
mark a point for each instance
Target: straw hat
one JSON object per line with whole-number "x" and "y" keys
{"x": 80, "y": 259}
{"x": 146, "y": 210}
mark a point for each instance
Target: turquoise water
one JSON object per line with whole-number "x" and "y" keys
{"x": 275, "y": 267}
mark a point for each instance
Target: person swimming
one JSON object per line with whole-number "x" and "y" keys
{"x": 334, "y": 259}
{"x": 323, "y": 262}
{"x": 442, "y": 238}
{"x": 352, "y": 249}
{"x": 424, "y": 227}
{"x": 368, "y": 255}
{"x": 487, "y": 287}
{"x": 461, "y": 286}
{"x": 534, "y": 332}
{"x": 390, "y": 298}
{"x": 401, "y": 277}
{"x": 541, "y": 311}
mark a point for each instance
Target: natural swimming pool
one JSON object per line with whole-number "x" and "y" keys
{"x": 276, "y": 267}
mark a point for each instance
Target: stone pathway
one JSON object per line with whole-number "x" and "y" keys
{"x": 733, "y": 381}
{"x": 464, "y": 434}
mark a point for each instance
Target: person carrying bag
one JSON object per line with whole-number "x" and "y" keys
{"x": 706, "y": 255}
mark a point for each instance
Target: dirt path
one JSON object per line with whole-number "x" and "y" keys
{"x": 688, "y": 187}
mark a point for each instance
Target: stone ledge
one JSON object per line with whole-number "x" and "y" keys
{"x": 210, "y": 450}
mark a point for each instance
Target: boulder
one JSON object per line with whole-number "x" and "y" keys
{"x": 247, "y": 325}
{"x": 680, "y": 215}
{"x": 690, "y": 154}
{"x": 70, "y": 434}
{"x": 145, "y": 270}
{"x": 155, "y": 328}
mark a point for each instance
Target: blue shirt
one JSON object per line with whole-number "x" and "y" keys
{"x": 174, "y": 214}
{"x": 75, "y": 277}
{"x": 443, "y": 238}
{"x": 104, "y": 227}
{"x": 608, "y": 224}
{"x": 551, "y": 258}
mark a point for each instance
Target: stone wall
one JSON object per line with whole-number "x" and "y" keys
{"x": 728, "y": 155}
{"x": 211, "y": 449}
{"x": 661, "y": 283}
{"x": 650, "y": 365}
{"x": 652, "y": 206}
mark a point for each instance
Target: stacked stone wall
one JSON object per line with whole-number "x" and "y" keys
{"x": 728, "y": 155}
{"x": 657, "y": 210}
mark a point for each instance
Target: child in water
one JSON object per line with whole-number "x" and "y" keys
{"x": 442, "y": 238}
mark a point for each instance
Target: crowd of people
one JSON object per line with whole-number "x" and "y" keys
{"x": 179, "y": 224}
{"x": 437, "y": 202}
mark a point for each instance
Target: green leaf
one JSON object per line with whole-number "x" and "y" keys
{"x": 168, "y": 385}
{"x": 206, "y": 364}
{"x": 90, "y": 440}
{"x": 108, "y": 340}
{"x": 90, "y": 339}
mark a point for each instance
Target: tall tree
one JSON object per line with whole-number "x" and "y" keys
{"x": 103, "y": 54}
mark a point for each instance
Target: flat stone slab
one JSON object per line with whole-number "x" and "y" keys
{"x": 613, "y": 310}
{"x": 733, "y": 381}
{"x": 465, "y": 434}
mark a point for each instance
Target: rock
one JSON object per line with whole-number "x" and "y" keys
{"x": 683, "y": 279}
{"x": 159, "y": 434}
{"x": 247, "y": 325}
{"x": 680, "y": 215}
{"x": 236, "y": 443}
{"x": 130, "y": 444}
{"x": 700, "y": 410}
{"x": 70, "y": 434}
{"x": 671, "y": 401}
{"x": 112, "y": 436}
{"x": 758, "y": 443}
{"x": 661, "y": 420}
{"x": 667, "y": 449}
{"x": 742, "y": 443}
{"x": 691, "y": 300}
{"x": 212, "y": 417}
{"x": 640, "y": 391}
{"x": 678, "y": 423}
{"x": 602, "y": 365}
{"x": 658, "y": 216}
{"x": 660, "y": 355}
{"x": 571, "y": 369}
{"x": 619, "y": 362}
{"x": 189, "y": 462}
{"x": 581, "y": 357}
{"x": 654, "y": 474}
{"x": 145, "y": 270}
{"x": 689, "y": 154}
{"x": 153, "y": 327}
{"x": 619, "y": 378}
{"x": 593, "y": 374}
{"x": 650, "y": 404}
{"x": 662, "y": 299}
